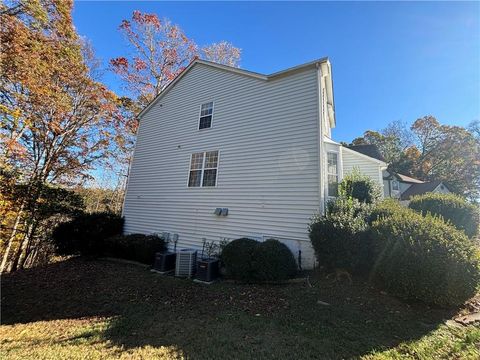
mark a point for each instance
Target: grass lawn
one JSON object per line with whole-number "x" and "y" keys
{"x": 78, "y": 309}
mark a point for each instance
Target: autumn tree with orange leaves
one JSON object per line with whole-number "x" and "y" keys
{"x": 161, "y": 50}
{"x": 56, "y": 120}
{"x": 431, "y": 151}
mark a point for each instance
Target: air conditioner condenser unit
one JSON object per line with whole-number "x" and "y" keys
{"x": 164, "y": 262}
{"x": 186, "y": 262}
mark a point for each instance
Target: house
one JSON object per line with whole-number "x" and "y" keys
{"x": 224, "y": 153}
{"x": 403, "y": 187}
{"x": 399, "y": 186}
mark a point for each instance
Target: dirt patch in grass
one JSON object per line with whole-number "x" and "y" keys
{"x": 102, "y": 309}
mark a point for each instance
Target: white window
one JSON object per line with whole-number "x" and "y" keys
{"x": 395, "y": 185}
{"x": 203, "y": 169}
{"x": 206, "y": 114}
{"x": 332, "y": 174}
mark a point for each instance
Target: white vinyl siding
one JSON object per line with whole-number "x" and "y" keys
{"x": 268, "y": 174}
{"x": 366, "y": 166}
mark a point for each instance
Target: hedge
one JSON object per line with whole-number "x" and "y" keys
{"x": 85, "y": 234}
{"x": 237, "y": 257}
{"x": 137, "y": 247}
{"x": 340, "y": 238}
{"x": 423, "y": 258}
{"x": 453, "y": 208}
{"x": 249, "y": 260}
{"x": 274, "y": 261}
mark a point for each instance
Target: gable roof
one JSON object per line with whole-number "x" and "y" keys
{"x": 239, "y": 71}
{"x": 419, "y": 189}
{"x": 369, "y": 150}
{"x": 408, "y": 179}
{"x": 400, "y": 177}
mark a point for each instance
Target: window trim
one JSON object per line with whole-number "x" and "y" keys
{"x": 337, "y": 154}
{"x": 200, "y": 115}
{"x": 203, "y": 169}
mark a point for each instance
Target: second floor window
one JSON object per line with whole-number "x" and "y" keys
{"x": 206, "y": 114}
{"x": 332, "y": 174}
{"x": 203, "y": 169}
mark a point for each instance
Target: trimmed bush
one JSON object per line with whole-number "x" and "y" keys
{"x": 358, "y": 186}
{"x": 340, "y": 237}
{"x": 85, "y": 234}
{"x": 453, "y": 208}
{"x": 137, "y": 247}
{"x": 385, "y": 208}
{"x": 237, "y": 257}
{"x": 273, "y": 261}
{"x": 425, "y": 259}
{"x": 249, "y": 260}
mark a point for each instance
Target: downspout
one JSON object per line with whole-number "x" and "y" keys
{"x": 321, "y": 189}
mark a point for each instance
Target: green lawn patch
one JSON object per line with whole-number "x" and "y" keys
{"x": 99, "y": 309}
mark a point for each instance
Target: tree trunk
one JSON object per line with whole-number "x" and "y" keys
{"x": 27, "y": 248}
{"x": 11, "y": 239}
{"x": 6, "y": 256}
{"x": 22, "y": 253}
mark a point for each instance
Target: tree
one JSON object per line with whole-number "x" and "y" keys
{"x": 222, "y": 53}
{"x": 161, "y": 51}
{"x": 448, "y": 153}
{"x": 431, "y": 151}
{"x": 56, "y": 121}
{"x": 392, "y": 143}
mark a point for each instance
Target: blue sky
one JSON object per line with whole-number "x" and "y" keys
{"x": 391, "y": 61}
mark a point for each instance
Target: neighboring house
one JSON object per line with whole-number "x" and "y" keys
{"x": 396, "y": 185}
{"x": 403, "y": 187}
{"x": 228, "y": 153}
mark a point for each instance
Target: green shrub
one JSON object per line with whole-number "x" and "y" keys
{"x": 253, "y": 261}
{"x": 358, "y": 186}
{"x": 137, "y": 247}
{"x": 340, "y": 237}
{"x": 454, "y": 209}
{"x": 237, "y": 257}
{"x": 273, "y": 261}
{"x": 385, "y": 208}
{"x": 425, "y": 259}
{"x": 85, "y": 234}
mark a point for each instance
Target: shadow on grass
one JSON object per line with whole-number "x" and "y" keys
{"x": 219, "y": 321}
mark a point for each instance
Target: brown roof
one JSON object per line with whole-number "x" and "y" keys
{"x": 419, "y": 189}
{"x": 409, "y": 179}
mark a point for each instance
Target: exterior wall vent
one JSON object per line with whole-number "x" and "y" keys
{"x": 221, "y": 211}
